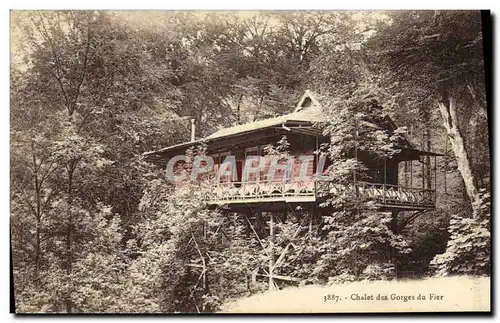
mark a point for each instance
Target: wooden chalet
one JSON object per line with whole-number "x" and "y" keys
{"x": 303, "y": 130}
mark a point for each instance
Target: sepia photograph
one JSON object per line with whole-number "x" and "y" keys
{"x": 268, "y": 161}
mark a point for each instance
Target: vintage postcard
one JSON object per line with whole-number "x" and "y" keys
{"x": 250, "y": 161}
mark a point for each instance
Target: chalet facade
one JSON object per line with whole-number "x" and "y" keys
{"x": 303, "y": 131}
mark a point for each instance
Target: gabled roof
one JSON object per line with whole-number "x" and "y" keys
{"x": 307, "y": 100}
{"x": 308, "y": 110}
{"x": 310, "y": 114}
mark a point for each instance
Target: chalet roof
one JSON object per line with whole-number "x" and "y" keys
{"x": 310, "y": 114}
{"x": 308, "y": 110}
{"x": 307, "y": 115}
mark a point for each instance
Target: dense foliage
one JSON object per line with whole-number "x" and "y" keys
{"x": 94, "y": 228}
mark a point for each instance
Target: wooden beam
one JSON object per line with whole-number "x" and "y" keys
{"x": 271, "y": 250}
{"x": 283, "y": 253}
{"x": 256, "y": 235}
{"x": 412, "y": 218}
{"x": 281, "y": 277}
{"x": 204, "y": 265}
{"x": 195, "y": 265}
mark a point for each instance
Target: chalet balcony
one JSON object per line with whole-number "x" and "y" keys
{"x": 311, "y": 190}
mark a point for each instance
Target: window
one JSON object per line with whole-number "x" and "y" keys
{"x": 252, "y": 176}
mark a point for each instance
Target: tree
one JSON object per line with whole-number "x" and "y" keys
{"x": 79, "y": 86}
{"x": 361, "y": 241}
{"x": 445, "y": 61}
{"x": 440, "y": 57}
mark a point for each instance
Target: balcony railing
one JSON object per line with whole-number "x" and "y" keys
{"x": 310, "y": 190}
{"x": 383, "y": 194}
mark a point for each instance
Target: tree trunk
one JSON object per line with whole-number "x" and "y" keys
{"x": 450, "y": 121}
{"x": 445, "y": 165}
{"x": 271, "y": 250}
{"x": 428, "y": 173}
{"x": 68, "y": 238}
{"x": 394, "y": 251}
{"x": 69, "y": 233}
{"x": 239, "y": 108}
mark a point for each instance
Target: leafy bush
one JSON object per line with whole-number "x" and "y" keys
{"x": 468, "y": 250}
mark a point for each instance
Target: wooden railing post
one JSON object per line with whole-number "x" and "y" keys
{"x": 271, "y": 250}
